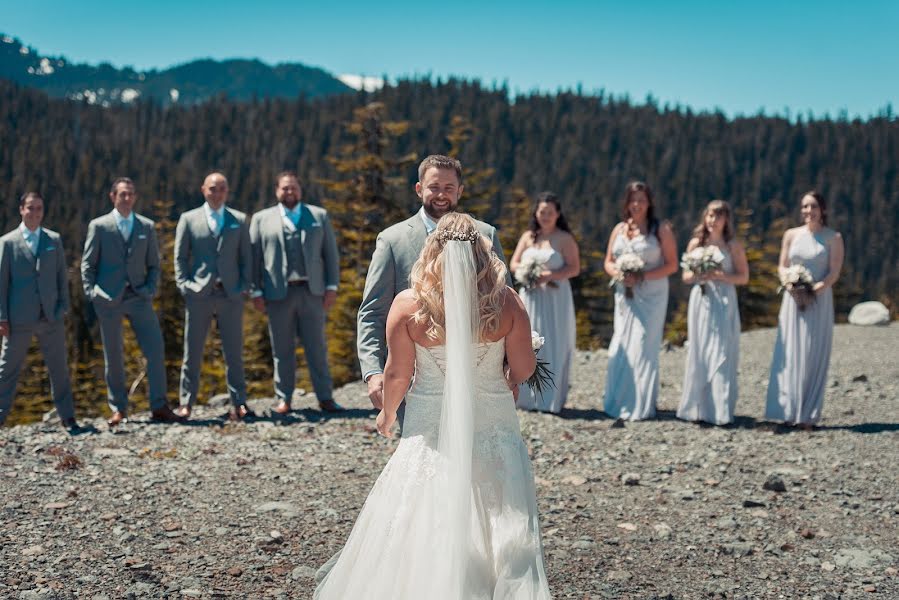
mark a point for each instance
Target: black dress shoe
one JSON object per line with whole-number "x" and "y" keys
{"x": 330, "y": 406}
{"x": 71, "y": 426}
{"x": 166, "y": 415}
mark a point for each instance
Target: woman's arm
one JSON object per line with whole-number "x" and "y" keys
{"x": 837, "y": 252}
{"x": 609, "y": 262}
{"x": 669, "y": 254}
{"x": 519, "y": 353}
{"x": 400, "y": 364}
{"x": 572, "y": 257}
{"x": 740, "y": 276}
{"x": 783, "y": 262}
{"x": 523, "y": 243}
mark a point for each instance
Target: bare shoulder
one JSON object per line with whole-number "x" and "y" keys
{"x": 512, "y": 303}
{"x": 666, "y": 227}
{"x": 406, "y": 301}
{"x": 735, "y": 245}
{"x": 693, "y": 243}
{"x": 567, "y": 238}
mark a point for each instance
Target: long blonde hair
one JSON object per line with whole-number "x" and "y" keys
{"x": 426, "y": 279}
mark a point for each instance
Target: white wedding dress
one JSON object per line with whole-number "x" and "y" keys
{"x": 396, "y": 548}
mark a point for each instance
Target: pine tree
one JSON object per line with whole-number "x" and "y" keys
{"x": 364, "y": 199}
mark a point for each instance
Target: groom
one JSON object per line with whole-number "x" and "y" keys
{"x": 439, "y": 187}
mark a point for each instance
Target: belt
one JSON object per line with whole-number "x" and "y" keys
{"x": 298, "y": 282}
{"x": 218, "y": 285}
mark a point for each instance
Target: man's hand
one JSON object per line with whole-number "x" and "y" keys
{"x": 259, "y": 303}
{"x": 4, "y": 328}
{"x": 329, "y": 300}
{"x": 376, "y": 390}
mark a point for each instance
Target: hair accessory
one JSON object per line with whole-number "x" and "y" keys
{"x": 456, "y": 235}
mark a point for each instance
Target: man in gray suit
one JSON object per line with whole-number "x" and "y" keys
{"x": 396, "y": 250}
{"x": 34, "y": 297}
{"x": 296, "y": 270}
{"x": 213, "y": 259}
{"x": 120, "y": 272}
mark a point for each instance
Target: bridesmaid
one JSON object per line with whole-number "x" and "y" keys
{"x": 550, "y": 305}
{"x": 802, "y": 351}
{"x": 632, "y": 383}
{"x": 713, "y": 323}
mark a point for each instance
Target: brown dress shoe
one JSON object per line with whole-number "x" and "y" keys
{"x": 183, "y": 412}
{"x": 283, "y": 408}
{"x": 330, "y": 406}
{"x": 116, "y": 418}
{"x": 166, "y": 415}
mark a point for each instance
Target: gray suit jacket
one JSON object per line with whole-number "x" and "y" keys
{"x": 18, "y": 270}
{"x": 197, "y": 252}
{"x": 396, "y": 250}
{"x": 270, "y": 258}
{"x": 108, "y": 263}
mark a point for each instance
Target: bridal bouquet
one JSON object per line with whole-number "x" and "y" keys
{"x": 542, "y": 378}
{"x": 798, "y": 280}
{"x": 626, "y": 264}
{"x": 702, "y": 260}
{"x": 530, "y": 269}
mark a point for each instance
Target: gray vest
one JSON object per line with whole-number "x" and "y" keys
{"x": 35, "y": 295}
{"x": 293, "y": 247}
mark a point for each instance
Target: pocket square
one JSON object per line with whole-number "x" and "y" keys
{"x": 233, "y": 226}
{"x": 49, "y": 248}
{"x": 315, "y": 224}
{"x": 141, "y": 236}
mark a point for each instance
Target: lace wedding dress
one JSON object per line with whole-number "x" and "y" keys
{"x": 398, "y": 546}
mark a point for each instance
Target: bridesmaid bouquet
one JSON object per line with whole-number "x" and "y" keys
{"x": 530, "y": 269}
{"x": 798, "y": 280}
{"x": 702, "y": 260}
{"x": 542, "y": 377}
{"x": 627, "y": 263}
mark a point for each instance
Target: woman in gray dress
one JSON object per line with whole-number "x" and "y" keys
{"x": 713, "y": 322}
{"x": 805, "y": 325}
{"x": 632, "y": 383}
{"x": 549, "y": 303}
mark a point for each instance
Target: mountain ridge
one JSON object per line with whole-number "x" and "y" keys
{"x": 191, "y": 82}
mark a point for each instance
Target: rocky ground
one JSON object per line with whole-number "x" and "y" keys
{"x": 658, "y": 509}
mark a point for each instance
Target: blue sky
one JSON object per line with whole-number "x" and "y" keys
{"x": 823, "y": 56}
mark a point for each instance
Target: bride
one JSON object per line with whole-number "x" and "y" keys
{"x": 453, "y": 515}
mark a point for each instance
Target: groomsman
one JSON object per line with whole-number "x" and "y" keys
{"x": 397, "y": 248}
{"x": 120, "y": 273}
{"x": 213, "y": 259}
{"x": 296, "y": 269}
{"x": 34, "y": 297}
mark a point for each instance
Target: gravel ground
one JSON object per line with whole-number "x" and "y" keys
{"x": 657, "y": 509}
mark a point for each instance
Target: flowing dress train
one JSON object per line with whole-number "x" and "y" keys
{"x": 396, "y": 548}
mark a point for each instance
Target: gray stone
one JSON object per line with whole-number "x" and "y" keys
{"x": 618, "y": 575}
{"x": 630, "y": 479}
{"x": 302, "y": 572}
{"x": 869, "y": 313}
{"x": 859, "y": 558}
{"x": 285, "y": 508}
{"x": 774, "y": 484}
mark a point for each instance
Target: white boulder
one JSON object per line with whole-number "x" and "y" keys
{"x": 869, "y": 313}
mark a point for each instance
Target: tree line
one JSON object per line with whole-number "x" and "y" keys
{"x": 357, "y": 153}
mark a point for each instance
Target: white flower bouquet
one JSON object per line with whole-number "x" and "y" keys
{"x": 542, "y": 377}
{"x": 530, "y": 269}
{"x": 798, "y": 280}
{"x": 702, "y": 260}
{"x": 627, "y": 264}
